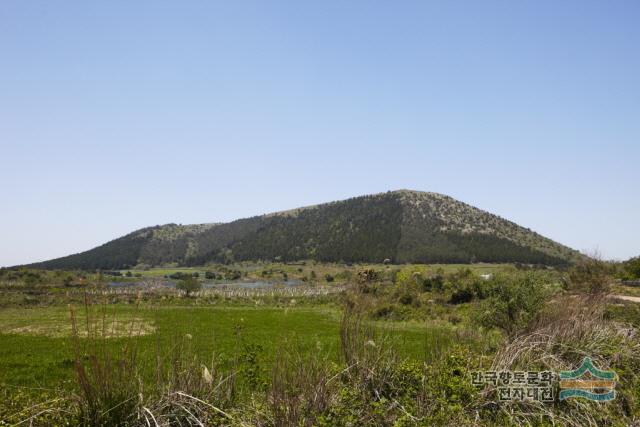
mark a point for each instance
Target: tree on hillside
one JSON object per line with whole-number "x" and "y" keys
{"x": 189, "y": 284}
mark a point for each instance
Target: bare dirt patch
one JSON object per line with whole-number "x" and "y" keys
{"x": 56, "y": 323}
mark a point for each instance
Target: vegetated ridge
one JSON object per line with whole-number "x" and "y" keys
{"x": 402, "y": 226}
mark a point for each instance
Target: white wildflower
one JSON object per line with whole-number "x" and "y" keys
{"x": 206, "y": 375}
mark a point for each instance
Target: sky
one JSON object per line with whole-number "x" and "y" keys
{"x": 119, "y": 115}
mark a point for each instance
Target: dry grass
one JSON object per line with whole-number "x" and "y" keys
{"x": 55, "y": 322}
{"x": 571, "y": 328}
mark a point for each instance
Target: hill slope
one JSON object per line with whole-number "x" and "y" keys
{"x": 404, "y": 226}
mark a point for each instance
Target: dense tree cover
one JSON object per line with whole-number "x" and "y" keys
{"x": 363, "y": 229}
{"x": 401, "y": 227}
{"x": 117, "y": 254}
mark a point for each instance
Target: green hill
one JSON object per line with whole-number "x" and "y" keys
{"x": 403, "y": 226}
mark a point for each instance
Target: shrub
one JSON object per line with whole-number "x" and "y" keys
{"x": 367, "y": 276}
{"x": 513, "y": 301}
{"x": 434, "y": 282}
{"x": 631, "y": 269}
{"x": 447, "y": 393}
{"x": 233, "y": 275}
{"x": 406, "y": 299}
{"x": 462, "y": 295}
{"x": 189, "y": 285}
{"x": 592, "y": 276}
{"x": 68, "y": 280}
{"x": 384, "y": 312}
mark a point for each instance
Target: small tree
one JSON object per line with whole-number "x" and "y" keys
{"x": 189, "y": 284}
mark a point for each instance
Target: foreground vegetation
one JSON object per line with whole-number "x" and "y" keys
{"x": 345, "y": 345}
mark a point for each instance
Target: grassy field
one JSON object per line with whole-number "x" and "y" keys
{"x": 36, "y": 349}
{"x": 389, "y": 344}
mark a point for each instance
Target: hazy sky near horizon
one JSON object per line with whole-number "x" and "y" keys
{"x": 119, "y": 115}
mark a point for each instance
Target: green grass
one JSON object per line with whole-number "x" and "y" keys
{"x": 41, "y": 354}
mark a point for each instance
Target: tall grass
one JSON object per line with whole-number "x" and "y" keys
{"x": 109, "y": 390}
{"x": 112, "y": 390}
{"x": 569, "y": 329}
{"x": 301, "y": 385}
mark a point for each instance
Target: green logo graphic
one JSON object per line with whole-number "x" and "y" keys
{"x": 589, "y": 382}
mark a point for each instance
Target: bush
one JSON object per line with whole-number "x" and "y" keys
{"x": 592, "y": 276}
{"x": 68, "y": 280}
{"x": 448, "y": 392}
{"x": 367, "y": 276}
{"x": 406, "y": 299}
{"x": 189, "y": 285}
{"x": 233, "y": 275}
{"x": 513, "y": 301}
{"x": 461, "y": 296}
{"x": 631, "y": 269}
{"x": 434, "y": 282}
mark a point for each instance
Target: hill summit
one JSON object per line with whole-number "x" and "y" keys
{"x": 402, "y": 226}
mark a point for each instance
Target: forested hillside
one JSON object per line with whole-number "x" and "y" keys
{"x": 402, "y": 226}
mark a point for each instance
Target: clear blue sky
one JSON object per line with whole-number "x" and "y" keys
{"x": 115, "y": 115}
